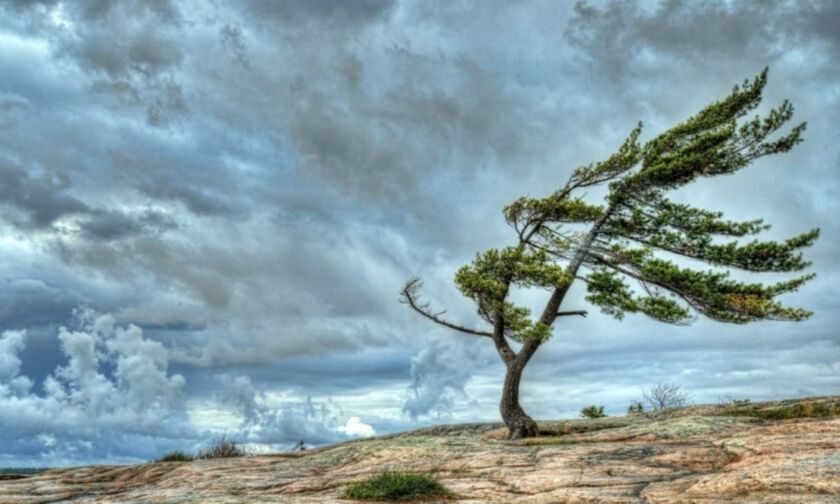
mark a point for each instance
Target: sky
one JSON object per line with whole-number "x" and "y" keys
{"x": 208, "y": 209}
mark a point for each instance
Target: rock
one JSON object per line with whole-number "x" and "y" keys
{"x": 758, "y": 453}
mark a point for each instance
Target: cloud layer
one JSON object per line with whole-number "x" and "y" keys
{"x": 250, "y": 183}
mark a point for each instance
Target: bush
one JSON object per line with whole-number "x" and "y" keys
{"x": 396, "y": 486}
{"x": 222, "y": 448}
{"x": 593, "y": 412}
{"x": 176, "y": 456}
{"x": 635, "y": 408}
{"x": 665, "y": 396}
{"x": 730, "y": 401}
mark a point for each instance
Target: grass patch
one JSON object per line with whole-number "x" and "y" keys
{"x": 223, "y": 447}
{"x": 806, "y": 409}
{"x": 176, "y": 456}
{"x": 396, "y": 486}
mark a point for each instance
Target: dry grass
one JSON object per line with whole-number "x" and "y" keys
{"x": 222, "y": 447}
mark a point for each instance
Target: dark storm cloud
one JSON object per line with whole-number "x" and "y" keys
{"x": 343, "y": 15}
{"x": 34, "y": 303}
{"x": 618, "y": 33}
{"x": 12, "y": 109}
{"x": 130, "y": 49}
{"x": 38, "y": 202}
{"x": 381, "y": 148}
{"x": 252, "y": 182}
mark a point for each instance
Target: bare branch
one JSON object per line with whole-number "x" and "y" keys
{"x": 665, "y": 396}
{"x": 582, "y": 313}
{"x": 410, "y": 295}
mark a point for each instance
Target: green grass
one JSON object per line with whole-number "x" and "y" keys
{"x": 799, "y": 410}
{"x": 396, "y": 486}
{"x": 176, "y": 456}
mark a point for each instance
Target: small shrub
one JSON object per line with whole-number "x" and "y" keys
{"x": 665, "y": 396}
{"x": 222, "y": 448}
{"x": 593, "y": 412}
{"x": 635, "y": 408}
{"x": 730, "y": 401}
{"x": 396, "y": 486}
{"x": 176, "y": 456}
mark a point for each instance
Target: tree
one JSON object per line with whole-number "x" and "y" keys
{"x": 636, "y": 234}
{"x": 665, "y": 396}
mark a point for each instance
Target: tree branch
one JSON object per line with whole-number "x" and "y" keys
{"x": 410, "y": 296}
{"x": 582, "y": 313}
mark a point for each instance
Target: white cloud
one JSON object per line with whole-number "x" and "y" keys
{"x": 354, "y": 427}
{"x": 114, "y": 388}
{"x": 289, "y": 421}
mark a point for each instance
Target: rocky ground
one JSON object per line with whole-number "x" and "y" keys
{"x": 771, "y": 452}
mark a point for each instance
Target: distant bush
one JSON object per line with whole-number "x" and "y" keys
{"x": 176, "y": 456}
{"x": 396, "y": 486}
{"x": 593, "y": 412}
{"x": 222, "y": 448}
{"x": 730, "y": 401}
{"x": 665, "y": 396}
{"x": 635, "y": 408}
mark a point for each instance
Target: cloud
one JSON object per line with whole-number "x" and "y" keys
{"x": 12, "y": 109}
{"x": 129, "y": 49}
{"x": 354, "y": 427}
{"x": 335, "y": 13}
{"x": 44, "y": 202}
{"x": 626, "y": 37}
{"x": 251, "y": 183}
{"x": 439, "y": 374}
{"x": 290, "y": 422}
{"x": 113, "y": 391}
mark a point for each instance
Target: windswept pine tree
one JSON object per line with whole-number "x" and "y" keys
{"x": 637, "y": 250}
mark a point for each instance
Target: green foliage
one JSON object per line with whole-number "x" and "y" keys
{"x": 710, "y": 143}
{"x": 635, "y": 408}
{"x": 623, "y": 160}
{"x": 593, "y": 412}
{"x": 555, "y": 208}
{"x": 396, "y": 486}
{"x": 489, "y": 277}
{"x": 629, "y": 235}
{"x": 176, "y": 456}
{"x": 608, "y": 290}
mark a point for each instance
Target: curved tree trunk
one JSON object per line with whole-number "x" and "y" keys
{"x": 519, "y": 424}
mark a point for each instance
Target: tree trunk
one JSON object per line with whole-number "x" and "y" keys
{"x": 519, "y": 424}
